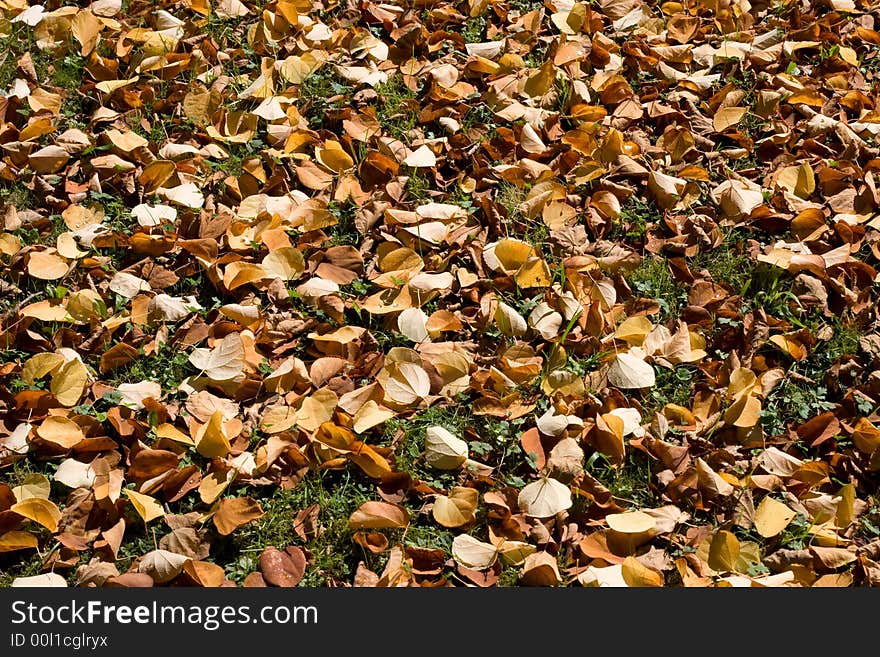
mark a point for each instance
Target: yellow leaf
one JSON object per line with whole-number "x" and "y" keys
{"x": 109, "y": 86}
{"x": 240, "y": 273}
{"x": 233, "y": 513}
{"x": 771, "y": 517}
{"x": 34, "y": 485}
{"x": 214, "y": 484}
{"x": 46, "y": 265}
{"x": 866, "y": 436}
{"x": 68, "y": 382}
{"x": 147, "y": 507}
{"x": 285, "y": 263}
{"x": 40, "y": 99}
{"x": 278, "y": 418}
{"x": 633, "y": 330}
{"x": 631, "y": 522}
{"x": 533, "y": 273}
{"x": 15, "y": 540}
{"x": 370, "y": 415}
{"x": 211, "y": 440}
{"x": 60, "y": 431}
{"x": 728, "y": 116}
{"x": 510, "y": 254}
{"x": 744, "y": 412}
{"x": 334, "y": 157}
{"x": 457, "y": 509}
{"x": 636, "y": 574}
{"x": 85, "y": 28}
{"x": 208, "y": 574}
{"x": 40, "y": 511}
{"x": 316, "y": 409}
{"x": 85, "y": 305}
{"x": 46, "y": 311}
{"x": 723, "y": 551}
{"x": 845, "y": 510}
{"x": 39, "y": 366}
{"x": 296, "y": 69}
{"x": 799, "y": 180}
{"x": 792, "y": 347}
{"x": 171, "y": 432}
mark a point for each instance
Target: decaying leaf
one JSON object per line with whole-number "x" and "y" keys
{"x": 589, "y": 288}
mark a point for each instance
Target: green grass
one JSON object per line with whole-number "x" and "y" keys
{"x": 808, "y": 389}
{"x": 320, "y": 93}
{"x": 630, "y": 483}
{"x": 516, "y": 223}
{"x": 653, "y": 279}
{"x": 168, "y": 368}
{"x": 671, "y": 387}
{"x": 418, "y": 187}
{"x": 13, "y": 565}
{"x": 493, "y": 441}
{"x": 636, "y": 216}
{"x": 399, "y": 109}
{"x": 334, "y": 555}
{"x": 474, "y": 30}
{"x": 728, "y": 263}
{"x": 345, "y": 231}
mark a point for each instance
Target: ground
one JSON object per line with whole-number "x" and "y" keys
{"x": 467, "y": 294}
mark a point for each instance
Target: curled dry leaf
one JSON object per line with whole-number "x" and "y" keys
{"x": 233, "y": 513}
{"x": 631, "y": 522}
{"x": 363, "y": 236}
{"x": 772, "y": 517}
{"x": 147, "y": 507}
{"x": 46, "y": 580}
{"x": 472, "y": 553}
{"x": 544, "y": 498}
{"x": 41, "y": 511}
{"x": 379, "y": 515}
{"x": 224, "y": 361}
{"x": 161, "y": 565}
{"x": 456, "y": 510}
{"x": 75, "y": 474}
{"x": 443, "y": 450}
{"x": 628, "y": 371}
{"x": 283, "y": 568}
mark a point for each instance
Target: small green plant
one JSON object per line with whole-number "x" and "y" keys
{"x": 672, "y": 386}
{"x": 474, "y": 30}
{"x": 321, "y": 92}
{"x": 345, "y": 231}
{"x": 509, "y": 197}
{"x": 168, "y": 368}
{"x": 653, "y": 279}
{"x": 636, "y": 216}
{"x": 418, "y": 187}
{"x": 398, "y": 113}
{"x": 728, "y": 263}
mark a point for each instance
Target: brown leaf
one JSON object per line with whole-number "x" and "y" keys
{"x": 285, "y": 568}
{"x": 234, "y": 512}
{"x": 378, "y": 515}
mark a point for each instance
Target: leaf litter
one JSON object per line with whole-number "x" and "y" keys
{"x": 461, "y": 294}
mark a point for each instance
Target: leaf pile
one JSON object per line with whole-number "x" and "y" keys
{"x": 476, "y": 293}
